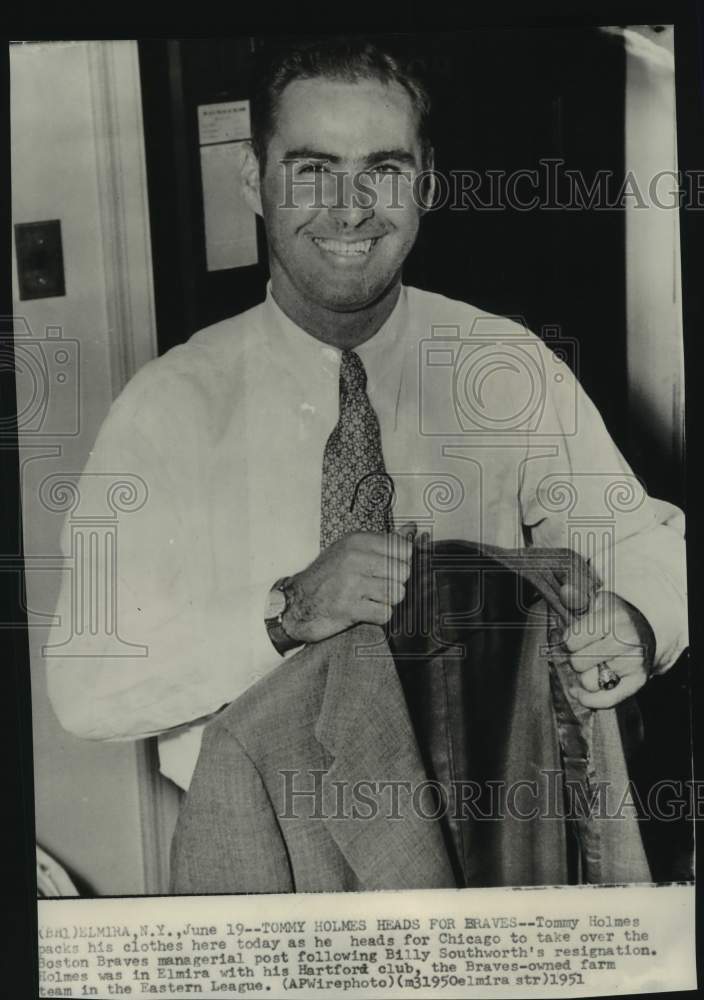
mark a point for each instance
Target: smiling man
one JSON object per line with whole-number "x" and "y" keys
{"x": 264, "y": 439}
{"x": 337, "y": 196}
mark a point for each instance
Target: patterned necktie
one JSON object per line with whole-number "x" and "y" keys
{"x": 356, "y": 490}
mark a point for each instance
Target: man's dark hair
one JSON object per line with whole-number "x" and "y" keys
{"x": 349, "y": 59}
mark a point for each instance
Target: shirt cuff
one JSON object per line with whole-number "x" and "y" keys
{"x": 664, "y": 610}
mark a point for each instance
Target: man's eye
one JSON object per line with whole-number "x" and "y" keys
{"x": 387, "y": 168}
{"x": 312, "y": 168}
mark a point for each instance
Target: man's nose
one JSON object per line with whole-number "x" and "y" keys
{"x": 351, "y": 204}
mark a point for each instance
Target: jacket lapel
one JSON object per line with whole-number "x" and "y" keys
{"x": 364, "y": 725}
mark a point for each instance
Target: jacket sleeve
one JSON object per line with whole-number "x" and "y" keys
{"x": 148, "y": 636}
{"x": 578, "y": 491}
{"x": 227, "y": 838}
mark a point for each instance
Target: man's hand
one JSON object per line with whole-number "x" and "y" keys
{"x": 359, "y": 578}
{"x": 610, "y": 631}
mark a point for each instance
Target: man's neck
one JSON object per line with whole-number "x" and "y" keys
{"x": 344, "y": 330}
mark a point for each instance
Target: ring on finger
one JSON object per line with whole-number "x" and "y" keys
{"x": 608, "y": 679}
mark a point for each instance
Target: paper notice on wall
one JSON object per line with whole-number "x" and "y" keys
{"x": 230, "y": 225}
{"x": 224, "y": 122}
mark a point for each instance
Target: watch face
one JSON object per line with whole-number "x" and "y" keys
{"x": 276, "y": 604}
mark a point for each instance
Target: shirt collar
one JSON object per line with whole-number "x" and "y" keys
{"x": 297, "y": 347}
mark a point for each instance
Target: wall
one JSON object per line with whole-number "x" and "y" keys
{"x": 653, "y": 289}
{"x": 77, "y": 156}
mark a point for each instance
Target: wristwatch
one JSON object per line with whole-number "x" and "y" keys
{"x": 277, "y": 604}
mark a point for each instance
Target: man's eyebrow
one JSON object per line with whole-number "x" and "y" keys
{"x": 308, "y": 153}
{"x": 400, "y": 155}
{"x": 377, "y": 156}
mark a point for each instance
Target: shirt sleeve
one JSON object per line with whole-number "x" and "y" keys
{"x": 148, "y": 636}
{"x": 578, "y": 491}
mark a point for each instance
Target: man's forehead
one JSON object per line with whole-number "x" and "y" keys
{"x": 346, "y": 118}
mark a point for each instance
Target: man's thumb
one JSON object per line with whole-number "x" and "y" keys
{"x": 575, "y": 596}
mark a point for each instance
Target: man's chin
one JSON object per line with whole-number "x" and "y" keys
{"x": 353, "y": 299}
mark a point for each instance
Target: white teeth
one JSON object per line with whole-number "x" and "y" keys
{"x": 345, "y": 249}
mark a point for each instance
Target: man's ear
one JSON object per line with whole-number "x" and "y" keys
{"x": 429, "y": 182}
{"x": 250, "y": 179}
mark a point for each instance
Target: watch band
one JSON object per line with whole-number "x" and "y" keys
{"x": 278, "y": 635}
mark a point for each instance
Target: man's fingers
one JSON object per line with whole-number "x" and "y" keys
{"x": 383, "y": 568}
{"x": 589, "y": 680}
{"x": 371, "y": 612}
{"x": 576, "y": 585}
{"x": 604, "y": 617}
{"x": 390, "y": 545}
{"x": 589, "y": 628}
{"x": 602, "y": 651}
{"x": 574, "y": 597}
{"x": 383, "y": 591}
{"x": 607, "y": 699}
{"x": 622, "y": 666}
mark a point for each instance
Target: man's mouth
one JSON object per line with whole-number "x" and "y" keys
{"x": 345, "y": 248}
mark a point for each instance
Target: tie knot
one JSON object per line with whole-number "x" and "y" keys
{"x": 352, "y": 373}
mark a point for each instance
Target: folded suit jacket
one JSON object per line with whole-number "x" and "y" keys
{"x": 292, "y": 791}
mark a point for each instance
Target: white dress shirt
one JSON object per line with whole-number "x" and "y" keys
{"x": 485, "y": 431}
